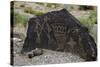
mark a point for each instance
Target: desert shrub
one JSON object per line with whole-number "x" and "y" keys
{"x": 48, "y": 4}
{"x": 28, "y": 10}
{"x": 37, "y": 13}
{"x": 90, "y": 20}
{"x": 93, "y": 16}
{"x": 31, "y": 11}
{"x": 22, "y": 5}
{"x": 86, "y": 7}
{"x": 86, "y": 22}
{"x": 52, "y": 4}
{"x": 39, "y": 3}
{"x": 20, "y": 19}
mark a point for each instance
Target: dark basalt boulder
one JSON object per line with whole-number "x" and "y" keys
{"x": 60, "y": 31}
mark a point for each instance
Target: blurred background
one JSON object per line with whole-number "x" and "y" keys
{"x": 23, "y": 11}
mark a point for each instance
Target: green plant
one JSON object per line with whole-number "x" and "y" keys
{"x": 52, "y": 4}
{"x": 90, "y": 20}
{"x": 22, "y": 5}
{"x": 20, "y": 19}
{"x": 86, "y": 7}
{"x": 29, "y": 10}
{"x": 93, "y": 16}
{"x": 39, "y": 3}
{"x": 86, "y": 22}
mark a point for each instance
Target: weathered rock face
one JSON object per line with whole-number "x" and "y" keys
{"x": 60, "y": 31}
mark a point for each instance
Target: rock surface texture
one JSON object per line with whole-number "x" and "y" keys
{"x": 60, "y": 31}
{"x": 55, "y": 37}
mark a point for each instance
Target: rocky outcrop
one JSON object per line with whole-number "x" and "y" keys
{"x": 60, "y": 31}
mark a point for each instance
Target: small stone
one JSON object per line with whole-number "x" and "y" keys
{"x": 37, "y": 52}
{"x": 30, "y": 56}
